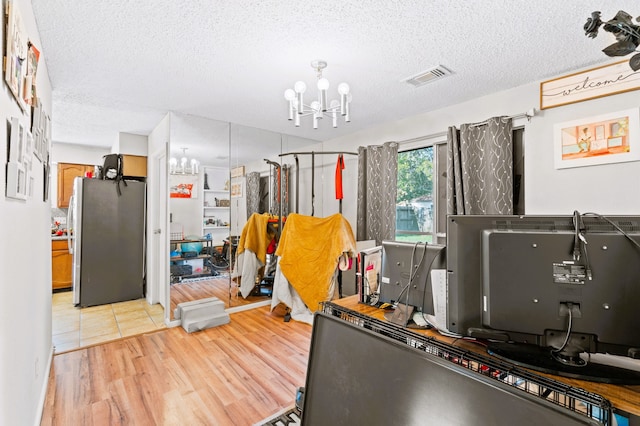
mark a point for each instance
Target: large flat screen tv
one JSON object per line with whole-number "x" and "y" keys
{"x": 552, "y": 288}
{"x": 358, "y": 377}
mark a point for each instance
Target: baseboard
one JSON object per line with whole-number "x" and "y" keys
{"x": 172, "y": 323}
{"x": 43, "y": 391}
{"x": 247, "y": 307}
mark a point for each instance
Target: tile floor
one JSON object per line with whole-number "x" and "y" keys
{"x": 74, "y": 328}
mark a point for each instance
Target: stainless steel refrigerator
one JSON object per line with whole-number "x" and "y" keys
{"x": 108, "y": 243}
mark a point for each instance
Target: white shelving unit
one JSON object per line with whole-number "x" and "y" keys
{"x": 215, "y": 217}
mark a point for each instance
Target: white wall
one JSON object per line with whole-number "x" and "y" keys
{"x": 25, "y": 262}
{"x": 188, "y": 212}
{"x": 75, "y": 154}
{"x": 606, "y": 189}
{"x": 131, "y": 144}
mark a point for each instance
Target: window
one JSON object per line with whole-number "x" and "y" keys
{"x": 421, "y": 204}
{"x": 421, "y": 201}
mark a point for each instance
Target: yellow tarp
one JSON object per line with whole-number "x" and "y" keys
{"x": 255, "y": 236}
{"x": 309, "y": 251}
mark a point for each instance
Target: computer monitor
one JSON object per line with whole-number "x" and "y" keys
{"x": 357, "y": 376}
{"x": 558, "y": 286}
{"x": 405, "y": 273}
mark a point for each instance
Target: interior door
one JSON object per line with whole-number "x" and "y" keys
{"x": 157, "y": 268}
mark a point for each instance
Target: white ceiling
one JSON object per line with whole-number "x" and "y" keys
{"x": 121, "y": 65}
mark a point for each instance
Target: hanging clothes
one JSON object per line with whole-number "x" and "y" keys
{"x": 339, "y": 168}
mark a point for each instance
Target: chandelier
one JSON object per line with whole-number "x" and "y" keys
{"x": 184, "y": 166}
{"x": 318, "y": 108}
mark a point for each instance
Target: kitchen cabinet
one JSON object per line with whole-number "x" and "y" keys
{"x": 134, "y": 165}
{"x": 67, "y": 172}
{"x": 61, "y": 265}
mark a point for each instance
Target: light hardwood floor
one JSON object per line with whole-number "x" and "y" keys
{"x": 235, "y": 374}
{"x": 74, "y": 327}
{"x": 214, "y": 287}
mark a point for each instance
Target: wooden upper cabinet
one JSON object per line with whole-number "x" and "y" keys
{"x": 67, "y": 172}
{"x": 134, "y": 165}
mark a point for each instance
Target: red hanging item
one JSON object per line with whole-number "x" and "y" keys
{"x": 339, "y": 168}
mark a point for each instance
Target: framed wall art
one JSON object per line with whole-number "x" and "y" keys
{"x": 17, "y": 179}
{"x": 602, "y": 139}
{"x": 590, "y": 84}
{"x": 183, "y": 186}
{"x": 16, "y": 54}
{"x": 29, "y": 92}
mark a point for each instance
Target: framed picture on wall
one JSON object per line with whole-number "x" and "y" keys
{"x": 16, "y": 54}
{"x": 603, "y": 139}
{"x": 183, "y": 186}
{"x": 16, "y": 183}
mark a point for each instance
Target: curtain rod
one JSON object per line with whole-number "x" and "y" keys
{"x": 526, "y": 115}
{"x": 317, "y": 153}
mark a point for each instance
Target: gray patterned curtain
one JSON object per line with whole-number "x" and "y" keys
{"x": 274, "y": 203}
{"x": 284, "y": 177}
{"x": 480, "y": 168}
{"x": 283, "y": 181}
{"x": 253, "y": 193}
{"x": 377, "y": 190}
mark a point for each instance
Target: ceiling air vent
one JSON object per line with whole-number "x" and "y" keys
{"x": 428, "y": 76}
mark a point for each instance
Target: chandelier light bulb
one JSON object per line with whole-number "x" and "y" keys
{"x": 289, "y": 94}
{"x": 343, "y": 88}
{"x": 300, "y": 87}
{"x": 323, "y": 84}
{"x": 183, "y": 164}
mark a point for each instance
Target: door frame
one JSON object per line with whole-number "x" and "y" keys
{"x": 158, "y": 207}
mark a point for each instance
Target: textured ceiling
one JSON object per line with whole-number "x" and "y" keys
{"x": 120, "y": 65}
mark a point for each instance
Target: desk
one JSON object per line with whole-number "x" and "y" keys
{"x": 622, "y": 398}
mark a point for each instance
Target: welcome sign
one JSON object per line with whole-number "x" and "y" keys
{"x": 590, "y": 84}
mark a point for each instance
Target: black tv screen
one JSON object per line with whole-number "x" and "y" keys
{"x": 358, "y": 377}
{"x": 529, "y": 275}
{"x": 560, "y": 287}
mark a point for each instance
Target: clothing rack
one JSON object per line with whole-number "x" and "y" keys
{"x": 313, "y": 165}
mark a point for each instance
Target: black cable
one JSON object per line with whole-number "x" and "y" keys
{"x": 580, "y": 243}
{"x": 555, "y": 353}
{"x": 576, "y": 237}
{"x": 599, "y": 216}
{"x": 566, "y": 339}
{"x": 412, "y": 275}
